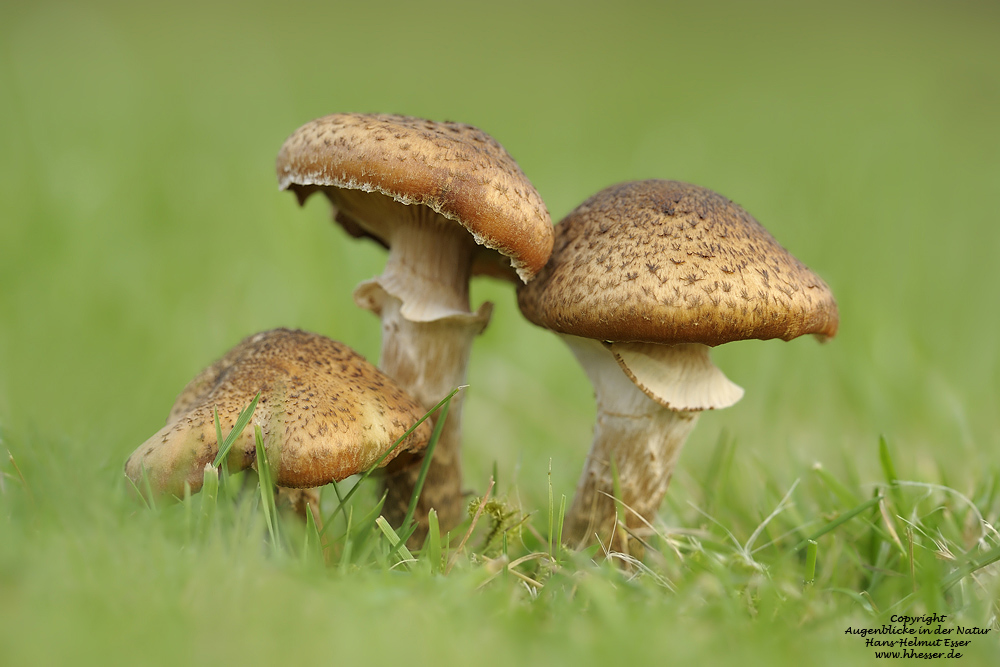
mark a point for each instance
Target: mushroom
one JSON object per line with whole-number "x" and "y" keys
{"x": 644, "y": 278}
{"x": 325, "y": 414}
{"x": 440, "y": 197}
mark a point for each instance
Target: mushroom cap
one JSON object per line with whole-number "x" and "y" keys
{"x": 667, "y": 262}
{"x": 325, "y": 414}
{"x": 457, "y": 170}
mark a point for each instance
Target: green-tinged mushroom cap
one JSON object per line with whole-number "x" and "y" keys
{"x": 324, "y": 411}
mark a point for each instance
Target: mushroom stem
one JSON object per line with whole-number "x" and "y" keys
{"x": 429, "y": 359}
{"x": 430, "y": 256}
{"x": 642, "y": 437}
{"x": 301, "y": 501}
{"x": 437, "y": 195}
{"x": 422, "y": 298}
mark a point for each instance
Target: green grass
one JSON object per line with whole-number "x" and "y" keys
{"x": 141, "y": 235}
{"x": 895, "y": 548}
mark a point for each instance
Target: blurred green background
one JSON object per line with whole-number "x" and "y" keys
{"x": 142, "y": 233}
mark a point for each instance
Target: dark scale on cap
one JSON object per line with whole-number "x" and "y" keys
{"x": 668, "y": 262}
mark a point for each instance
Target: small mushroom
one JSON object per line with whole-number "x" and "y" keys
{"x": 325, "y": 414}
{"x": 439, "y": 196}
{"x": 644, "y": 277}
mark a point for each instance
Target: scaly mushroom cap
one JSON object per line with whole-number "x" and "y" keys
{"x": 667, "y": 262}
{"x": 324, "y": 411}
{"x": 457, "y": 170}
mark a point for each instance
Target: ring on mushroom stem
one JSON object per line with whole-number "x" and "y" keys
{"x": 325, "y": 414}
{"x": 644, "y": 278}
{"x": 439, "y": 196}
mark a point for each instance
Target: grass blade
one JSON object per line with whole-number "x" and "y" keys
{"x": 24, "y": 482}
{"x": 394, "y": 541}
{"x": 844, "y": 495}
{"x": 241, "y": 423}
{"x": 147, "y": 489}
{"x": 345, "y": 554}
{"x": 311, "y": 536}
{"x": 266, "y": 483}
{"x": 551, "y": 511}
{"x": 425, "y": 466}
{"x": 218, "y": 433}
{"x": 392, "y": 448}
{"x": 433, "y": 542}
{"x": 990, "y": 557}
{"x": 889, "y": 470}
{"x": 340, "y": 504}
{"x": 138, "y": 493}
{"x": 559, "y": 524}
{"x": 812, "y": 549}
{"x": 209, "y": 497}
{"x": 620, "y": 525}
{"x": 840, "y": 520}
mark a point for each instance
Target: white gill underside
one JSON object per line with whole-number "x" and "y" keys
{"x": 678, "y": 377}
{"x": 430, "y": 256}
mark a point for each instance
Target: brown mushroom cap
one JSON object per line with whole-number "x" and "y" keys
{"x": 324, "y": 411}
{"x": 667, "y": 262}
{"x": 457, "y": 170}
